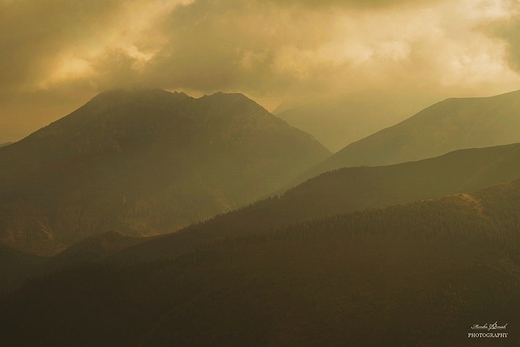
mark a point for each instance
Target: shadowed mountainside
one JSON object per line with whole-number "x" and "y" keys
{"x": 420, "y": 274}
{"x": 16, "y": 267}
{"x": 95, "y": 248}
{"x": 348, "y": 189}
{"x": 344, "y": 190}
{"x": 144, "y": 162}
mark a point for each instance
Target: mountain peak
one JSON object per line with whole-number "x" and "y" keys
{"x": 227, "y": 95}
{"x": 128, "y": 152}
{"x": 220, "y": 99}
{"x": 127, "y": 95}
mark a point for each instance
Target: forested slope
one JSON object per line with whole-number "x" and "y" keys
{"x": 420, "y": 274}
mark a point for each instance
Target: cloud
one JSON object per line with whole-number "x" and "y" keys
{"x": 271, "y": 50}
{"x": 50, "y": 42}
{"x": 511, "y": 34}
{"x": 507, "y": 28}
{"x": 34, "y": 33}
{"x": 364, "y": 4}
{"x": 56, "y": 54}
{"x": 265, "y": 48}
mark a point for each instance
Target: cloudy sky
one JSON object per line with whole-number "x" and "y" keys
{"x": 57, "y": 54}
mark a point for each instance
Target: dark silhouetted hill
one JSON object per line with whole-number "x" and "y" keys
{"x": 95, "y": 248}
{"x": 420, "y": 274}
{"x": 16, "y": 267}
{"x": 144, "y": 162}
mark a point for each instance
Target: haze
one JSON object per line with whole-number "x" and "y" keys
{"x": 57, "y": 54}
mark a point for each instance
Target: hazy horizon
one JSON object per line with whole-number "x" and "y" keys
{"x": 62, "y": 53}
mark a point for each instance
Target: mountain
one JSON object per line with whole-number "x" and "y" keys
{"x": 144, "y": 162}
{"x": 337, "y": 122}
{"x": 95, "y": 248}
{"x": 420, "y": 274}
{"x": 347, "y": 189}
{"x": 5, "y": 144}
{"x": 446, "y": 126}
{"x": 16, "y": 267}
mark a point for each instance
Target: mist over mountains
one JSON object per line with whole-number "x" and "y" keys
{"x": 153, "y": 207}
{"x": 339, "y": 121}
{"x": 378, "y": 205}
{"x": 340, "y": 191}
{"x": 345, "y": 190}
{"x": 144, "y": 162}
{"x": 443, "y": 127}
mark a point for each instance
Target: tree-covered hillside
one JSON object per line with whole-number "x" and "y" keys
{"x": 420, "y": 274}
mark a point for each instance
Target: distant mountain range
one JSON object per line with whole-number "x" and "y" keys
{"x": 144, "y": 162}
{"x": 339, "y": 121}
{"x": 441, "y": 128}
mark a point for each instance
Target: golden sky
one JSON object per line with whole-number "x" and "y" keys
{"x": 57, "y": 54}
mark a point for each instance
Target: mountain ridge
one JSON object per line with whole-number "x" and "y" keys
{"x": 348, "y": 189}
{"x": 338, "y": 121}
{"x": 364, "y": 278}
{"x": 451, "y": 124}
{"x": 143, "y": 162}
